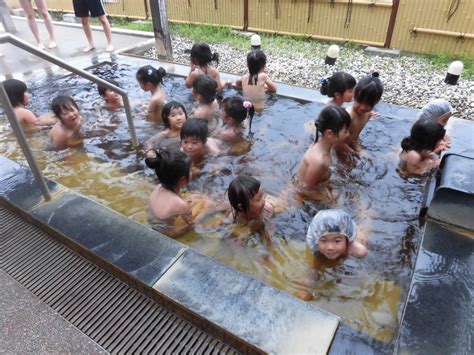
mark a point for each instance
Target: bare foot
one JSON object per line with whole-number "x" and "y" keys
{"x": 109, "y": 48}
{"x": 52, "y": 44}
{"x": 89, "y": 48}
{"x": 40, "y": 46}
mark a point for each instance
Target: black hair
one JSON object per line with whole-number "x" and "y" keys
{"x": 16, "y": 91}
{"x": 195, "y": 128}
{"x": 201, "y": 53}
{"x": 256, "y": 61}
{"x": 170, "y": 166}
{"x": 369, "y": 90}
{"x": 206, "y": 87}
{"x": 166, "y": 110}
{"x": 424, "y": 134}
{"x": 62, "y": 103}
{"x": 239, "y": 109}
{"x": 148, "y": 74}
{"x": 240, "y": 191}
{"x": 334, "y": 118}
{"x": 102, "y": 89}
{"x": 339, "y": 82}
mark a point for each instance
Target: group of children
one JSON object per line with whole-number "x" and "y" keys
{"x": 185, "y": 142}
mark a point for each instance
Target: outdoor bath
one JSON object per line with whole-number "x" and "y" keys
{"x": 368, "y": 294}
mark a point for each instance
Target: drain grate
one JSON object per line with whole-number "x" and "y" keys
{"x": 114, "y": 315}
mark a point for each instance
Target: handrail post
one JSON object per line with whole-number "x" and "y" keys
{"x": 20, "y": 136}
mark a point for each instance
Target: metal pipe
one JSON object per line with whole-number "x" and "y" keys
{"x": 9, "y": 38}
{"x": 20, "y": 136}
{"x": 442, "y": 33}
{"x": 323, "y": 38}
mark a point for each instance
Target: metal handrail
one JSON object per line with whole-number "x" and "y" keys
{"x": 9, "y": 38}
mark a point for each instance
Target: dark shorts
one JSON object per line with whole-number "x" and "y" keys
{"x": 83, "y": 7}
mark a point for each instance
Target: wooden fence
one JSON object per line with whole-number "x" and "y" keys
{"x": 425, "y": 26}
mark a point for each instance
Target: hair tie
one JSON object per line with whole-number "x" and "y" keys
{"x": 247, "y": 105}
{"x": 323, "y": 81}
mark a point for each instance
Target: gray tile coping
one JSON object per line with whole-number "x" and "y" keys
{"x": 267, "y": 318}
{"x": 438, "y": 317}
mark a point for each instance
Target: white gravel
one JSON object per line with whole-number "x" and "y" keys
{"x": 408, "y": 80}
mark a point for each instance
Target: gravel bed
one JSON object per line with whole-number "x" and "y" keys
{"x": 408, "y": 80}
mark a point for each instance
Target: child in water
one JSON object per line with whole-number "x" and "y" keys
{"x": 149, "y": 80}
{"x": 66, "y": 132}
{"x": 247, "y": 200}
{"x": 17, "y": 92}
{"x": 333, "y": 123}
{"x": 234, "y": 111}
{"x": 367, "y": 94}
{"x": 201, "y": 58}
{"x": 195, "y": 142}
{"x": 168, "y": 212}
{"x": 174, "y": 116}
{"x": 340, "y": 87}
{"x": 420, "y": 149}
{"x": 204, "y": 91}
{"x": 113, "y": 100}
{"x": 333, "y": 233}
{"x": 257, "y": 81}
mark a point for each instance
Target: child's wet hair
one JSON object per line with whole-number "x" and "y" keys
{"x": 206, "y": 87}
{"x": 239, "y": 109}
{"x": 62, "y": 103}
{"x": 148, "y": 74}
{"x": 369, "y": 90}
{"x": 166, "y": 111}
{"x": 339, "y": 82}
{"x": 170, "y": 166}
{"x": 102, "y": 89}
{"x": 15, "y": 90}
{"x": 256, "y": 61}
{"x": 240, "y": 192}
{"x": 425, "y": 134}
{"x": 334, "y": 118}
{"x": 202, "y": 55}
{"x": 195, "y": 128}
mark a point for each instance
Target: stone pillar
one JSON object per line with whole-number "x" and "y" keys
{"x": 160, "y": 27}
{"x": 6, "y": 19}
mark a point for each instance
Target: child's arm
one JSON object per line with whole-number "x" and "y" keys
{"x": 271, "y": 86}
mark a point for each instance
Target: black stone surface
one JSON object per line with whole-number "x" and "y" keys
{"x": 131, "y": 246}
{"x": 266, "y": 317}
{"x": 29, "y": 326}
{"x": 18, "y": 185}
{"x": 439, "y": 315}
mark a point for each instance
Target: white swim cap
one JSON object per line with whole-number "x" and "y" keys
{"x": 326, "y": 222}
{"x": 435, "y": 109}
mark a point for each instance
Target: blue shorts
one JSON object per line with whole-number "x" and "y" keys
{"x": 83, "y": 7}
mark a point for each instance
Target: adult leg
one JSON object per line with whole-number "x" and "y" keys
{"x": 108, "y": 32}
{"x": 48, "y": 22}
{"x": 86, "y": 26}
{"x": 30, "y": 15}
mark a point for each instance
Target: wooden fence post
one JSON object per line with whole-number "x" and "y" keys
{"x": 391, "y": 23}
{"x": 5, "y": 18}
{"x": 160, "y": 27}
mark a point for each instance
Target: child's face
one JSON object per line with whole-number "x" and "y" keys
{"x": 69, "y": 116}
{"x": 443, "y": 120}
{"x": 256, "y": 204}
{"x": 361, "y": 108}
{"x": 348, "y": 95}
{"x": 332, "y": 246}
{"x": 194, "y": 147}
{"x": 176, "y": 118}
{"x": 111, "y": 96}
